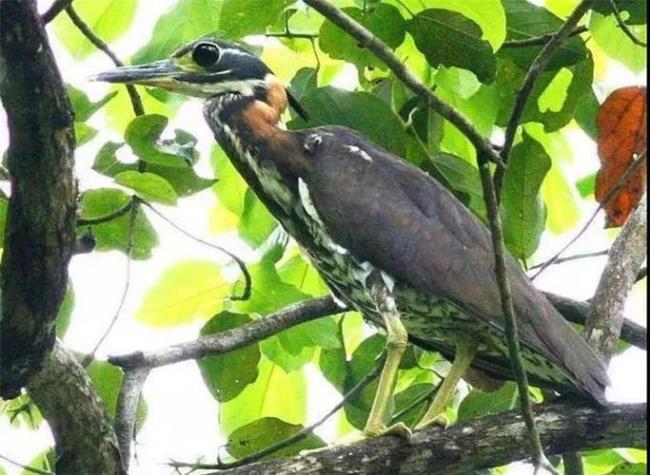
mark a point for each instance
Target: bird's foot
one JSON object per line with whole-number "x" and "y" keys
{"x": 545, "y": 467}
{"x": 400, "y": 429}
{"x": 440, "y": 420}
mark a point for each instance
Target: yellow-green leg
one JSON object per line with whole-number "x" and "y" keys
{"x": 396, "y": 341}
{"x": 435, "y": 415}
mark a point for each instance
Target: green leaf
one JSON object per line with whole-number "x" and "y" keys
{"x": 257, "y": 223}
{"x": 44, "y": 461}
{"x": 451, "y": 39}
{"x": 305, "y": 80}
{"x": 83, "y": 107}
{"x": 275, "y": 393}
{"x": 149, "y": 186}
{"x": 184, "y": 181}
{"x": 231, "y": 187}
{"x": 303, "y": 276}
{"x": 586, "y": 185}
{"x": 108, "y": 20}
{"x": 463, "y": 178}
{"x": 4, "y": 205}
{"x": 186, "y": 21}
{"x": 142, "y": 135}
{"x": 384, "y": 21}
{"x": 478, "y": 403}
{"x": 83, "y": 133}
{"x": 627, "y": 468}
{"x": 21, "y": 412}
{"x": 114, "y": 234}
{"x": 65, "y": 312}
{"x": 407, "y": 398}
{"x": 637, "y": 10}
{"x": 586, "y": 113}
{"x": 611, "y": 39}
{"x": 246, "y": 17}
{"x": 265, "y": 432}
{"x": 357, "y": 110}
{"x": 186, "y": 291}
{"x": 227, "y": 375}
{"x": 524, "y": 21}
{"x": 270, "y": 293}
{"x": 523, "y": 211}
{"x": 107, "y": 380}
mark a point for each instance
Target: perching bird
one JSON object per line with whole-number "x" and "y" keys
{"x": 388, "y": 239}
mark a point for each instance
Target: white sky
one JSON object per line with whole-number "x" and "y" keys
{"x": 182, "y": 415}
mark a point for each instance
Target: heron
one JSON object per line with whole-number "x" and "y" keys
{"x": 388, "y": 239}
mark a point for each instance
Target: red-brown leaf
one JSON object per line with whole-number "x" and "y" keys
{"x": 622, "y": 136}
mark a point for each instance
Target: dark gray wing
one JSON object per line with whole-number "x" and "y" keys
{"x": 404, "y": 222}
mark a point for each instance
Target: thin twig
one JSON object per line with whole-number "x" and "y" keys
{"x": 136, "y": 101}
{"x": 631, "y": 169}
{"x": 106, "y": 218}
{"x": 301, "y": 434}
{"x": 127, "y": 284}
{"x": 575, "y": 257}
{"x": 507, "y": 307}
{"x": 626, "y": 29}
{"x": 127, "y": 410}
{"x": 540, "y": 40}
{"x": 57, "y": 7}
{"x": 229, "y": 340}
{"x": 25, "y": 467}
{"x": 384, "y": 53}
{"x": 536, "y": 69}
{"x": 240, "y": 263}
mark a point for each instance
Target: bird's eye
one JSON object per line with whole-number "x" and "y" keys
{"x": 205, "y": 54}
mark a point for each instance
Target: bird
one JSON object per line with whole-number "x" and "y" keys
{"x": 388, "y": 239}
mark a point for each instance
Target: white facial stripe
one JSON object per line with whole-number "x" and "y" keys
{"x": 362, "y": 153}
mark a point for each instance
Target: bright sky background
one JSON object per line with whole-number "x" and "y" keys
{"x": 182, "y": 415}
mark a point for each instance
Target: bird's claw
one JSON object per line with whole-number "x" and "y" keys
{"x": 400, "y": 429}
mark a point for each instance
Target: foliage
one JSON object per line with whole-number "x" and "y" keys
{"x": 462, "y": 50}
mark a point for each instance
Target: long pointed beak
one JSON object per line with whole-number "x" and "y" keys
{"x": 155, "y": 74}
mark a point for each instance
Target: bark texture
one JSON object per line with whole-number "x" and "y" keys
{"x": 479, "y": 443}
{"x": 41, "y": 216}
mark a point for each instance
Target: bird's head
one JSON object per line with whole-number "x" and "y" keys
{"x": 204, "y": 68}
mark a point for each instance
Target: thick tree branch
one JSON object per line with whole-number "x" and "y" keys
{"x": 127, "y": 410}
{"x": 479, "y": 443}
{"x": 40, "y": 231}
{"x": 385, "y": 54}
{"x": 625, "y": 259}
{"x": 83, "y": 431}
{"x": 232, "y": 339}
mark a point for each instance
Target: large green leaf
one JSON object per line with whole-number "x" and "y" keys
{"x": 184, "y": 181}
{"x": 408, "y": 397}
{"x": 227, "y": 375}
{"x": 611, "y": 39}
{"x": 267, "y": 431}
{"x": 522, "y": 207}
{"x": 186, "y": 21}
{"x": 463, "y": 179}
{"x": 185, "y": 292}
{"x": 83, "y": 107}
{"x": 524, "y": 21}
{"x": 107, "y": 380}
{"x": 143, "y": 136}
{"x": 257, "y": 223}
{"x": 149, "y": 186}
{"x": 275, "y": 393}
{"x": 451, "y": 39}
{"x": 108, "y": 20}
{"x": 114, "y": 234}
{"x": 246, "y": 17}
{"x": 357, "y": 110}
{"x": 303, "y": 276}
{"x": 478, "y": 403}
{"x": 627, "y": 468}
{"x": 384, "y": 21}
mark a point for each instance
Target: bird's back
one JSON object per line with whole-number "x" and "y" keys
{"x": 397, "y": 218}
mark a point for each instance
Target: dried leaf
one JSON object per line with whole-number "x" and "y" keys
{"x": 622, "y": 136}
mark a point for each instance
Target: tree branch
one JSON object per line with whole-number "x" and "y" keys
{"x": 625, "y": 259}
{"x": 40, "y": 232}
{"x": 83, "y": 431}
{"x": 127, "y": 409}
{"x": 57, "y": 7}
{"x": 479, "y": 443}
{"x": 367, "y": 40}
{"x": 541, "y": 40}
{"x": 231, "y": 339}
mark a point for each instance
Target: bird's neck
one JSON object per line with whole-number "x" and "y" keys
{"x": 249, "y": 127}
